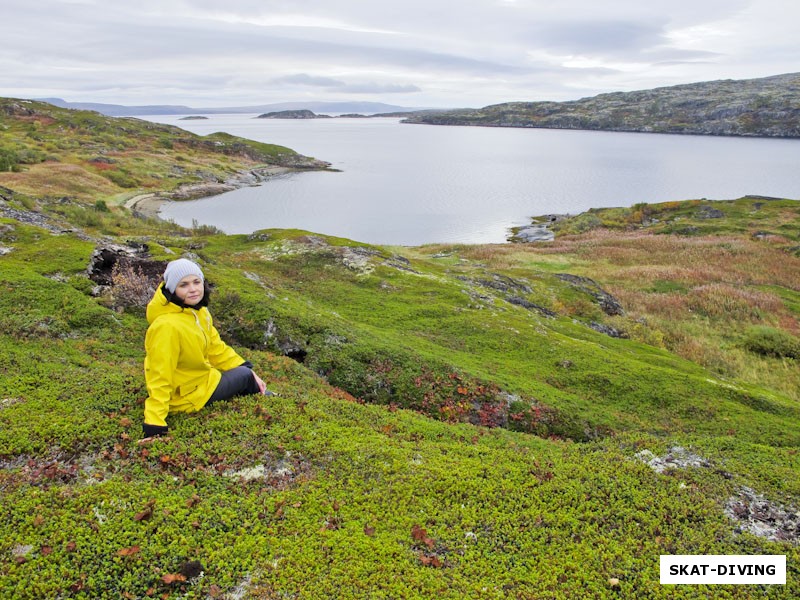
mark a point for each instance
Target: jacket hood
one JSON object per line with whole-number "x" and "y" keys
{"x": 160, "y": 305}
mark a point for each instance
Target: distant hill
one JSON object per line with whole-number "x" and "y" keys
{"x": 119, "y": 110}
{"x": 769, "y": 106}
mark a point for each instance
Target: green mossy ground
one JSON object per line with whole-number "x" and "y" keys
{"x": 364, "y": 478}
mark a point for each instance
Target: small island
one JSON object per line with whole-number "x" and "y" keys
{"x": 292, "y": 114}
{"x": 193, "y": 118}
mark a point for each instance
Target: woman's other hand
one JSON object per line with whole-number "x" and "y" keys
{"x": 261, "y": 385}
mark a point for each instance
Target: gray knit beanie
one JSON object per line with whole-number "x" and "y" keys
{"x": 177, "y": 270}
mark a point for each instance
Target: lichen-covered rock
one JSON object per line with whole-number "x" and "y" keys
{"x": 608, "y": 303}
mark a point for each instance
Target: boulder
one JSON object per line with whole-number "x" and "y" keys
{"x": 534, "y": 233}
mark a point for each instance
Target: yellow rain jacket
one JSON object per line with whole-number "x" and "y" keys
{"x": 185, "y": 357}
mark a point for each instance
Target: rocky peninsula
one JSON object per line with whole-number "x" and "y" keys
{"x": 765, "y": 107}
{"x": 129, "y": 161}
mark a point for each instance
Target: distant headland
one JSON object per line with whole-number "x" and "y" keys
{"x": 765, "y": 107}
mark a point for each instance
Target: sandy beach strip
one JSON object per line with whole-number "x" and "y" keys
{"x": 148, "y": 205}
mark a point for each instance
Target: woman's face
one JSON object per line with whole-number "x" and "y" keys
{"x": 190, "y": 290}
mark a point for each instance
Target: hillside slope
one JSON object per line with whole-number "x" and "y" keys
{"x": 315, "y": 490}
{"x": 46, "y": 150}
{"x": 768, "y": 106}
{"x": 507, "y": 421}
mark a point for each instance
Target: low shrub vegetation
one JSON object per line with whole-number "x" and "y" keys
{"x": 769, "y": 341}
{"x": 451, "y": 421}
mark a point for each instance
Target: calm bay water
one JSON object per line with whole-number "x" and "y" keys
{"x": 414, "y": 184}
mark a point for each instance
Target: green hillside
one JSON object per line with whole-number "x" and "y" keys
{"x": 84, "y": 155}
{"x": 498, "y": 421}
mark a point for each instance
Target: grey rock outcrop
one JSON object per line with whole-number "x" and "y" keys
{"x": 534, "y": 233}
{"x": 608, "y": 304}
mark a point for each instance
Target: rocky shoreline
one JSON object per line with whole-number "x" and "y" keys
{"x": 150, "y": 205}
{"x": 538, "y": 231}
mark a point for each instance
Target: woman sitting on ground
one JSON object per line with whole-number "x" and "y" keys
{"x": 187, "y": 365}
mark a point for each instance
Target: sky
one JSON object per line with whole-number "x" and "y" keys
{"x": 414, "y": 53}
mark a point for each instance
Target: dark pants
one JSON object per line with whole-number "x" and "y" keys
{"x": 236, "y": 382}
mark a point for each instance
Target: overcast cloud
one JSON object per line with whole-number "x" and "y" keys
{"x": 420, "y": 53}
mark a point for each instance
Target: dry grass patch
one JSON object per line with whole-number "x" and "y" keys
{"x": 58, "y": 179}
{"x": 640, "y": 256}
{"x": 648, "y": 275}
{"x": 495, "y": 255}
{"x": 727, "y": 302}
{"x": 672, "y": 305}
